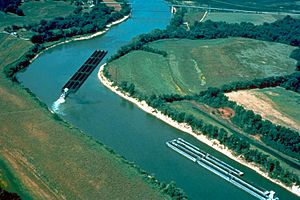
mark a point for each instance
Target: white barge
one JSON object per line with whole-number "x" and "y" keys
{"x": 219, "y": 168}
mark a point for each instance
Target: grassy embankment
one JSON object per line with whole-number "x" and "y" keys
{"x": 278, "y": 105}
{"x": 194, "y": 65}
{"x": 51, "y": 159}
{"x": 43, "y": 157}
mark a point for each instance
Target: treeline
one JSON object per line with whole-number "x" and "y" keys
{"x": 78, "y": 23}
{"x": 11, "y": 6}
{"x": 284, "y": 31}
{"x": 278, "y": 137}
{"x": 232, "y": 140}
{"x": 289, "y": 82}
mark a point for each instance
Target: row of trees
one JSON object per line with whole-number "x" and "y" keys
{"x": 289, "y": 82}
{"x": 78, "y": 23}
{"x": 278, "y": 137}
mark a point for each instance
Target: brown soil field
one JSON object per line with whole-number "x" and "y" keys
{"x": 264, "y": 106}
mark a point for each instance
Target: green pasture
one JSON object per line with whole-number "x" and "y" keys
{"x": 12, "y": 48}
{"x": 192, "y": 66}
{"x": 231, "y": 17}
{"x": 35, "y": 11}
{"x": 259, "y": 5}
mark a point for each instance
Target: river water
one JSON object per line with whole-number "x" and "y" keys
{"x": 132, "y": 133}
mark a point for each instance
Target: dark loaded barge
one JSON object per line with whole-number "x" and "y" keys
{"x": 219, "y": 168}
{"x": 83, "y": 73}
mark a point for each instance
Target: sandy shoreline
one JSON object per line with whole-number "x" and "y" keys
{"x": 84, "y": 37}
{"x": 186, "y": 128}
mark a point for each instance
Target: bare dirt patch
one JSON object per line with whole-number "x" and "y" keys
{"x": 262, "y": 105}
{"x": 226, "y": 112}
{"x": 116, "y": 6}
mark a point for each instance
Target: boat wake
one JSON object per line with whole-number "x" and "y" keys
{"x": 57, "y": 104}
{"x": 62, "y": 99}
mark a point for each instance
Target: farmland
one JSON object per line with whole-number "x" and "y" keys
{"x": 11, "y": 44}
{"x": 194, "y": 65}
{"x": 275, "y": 104}
{"x": 50, "y": 159}
{"x": 262, "y": 5}
{"x": 231, "y": 17}
{"x": 44, "y": 9}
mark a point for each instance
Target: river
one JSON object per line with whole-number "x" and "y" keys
{"x": 132, "y": 133}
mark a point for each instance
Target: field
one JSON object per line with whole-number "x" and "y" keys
{"x": 50, "y": 159}
{"x": 10, "y": 44}
{"x": 261, "y": 5}
{"x": 231, "y": 17}
{"x": 275, "y": 104}
{"x": 194, "y": 65}
{"x": 43, "y": 9}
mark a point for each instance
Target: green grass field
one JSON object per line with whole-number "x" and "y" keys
{"x": 194, "y": 65}
{"x": 49, "y": 158}
{"x": 243, "y": 17}
{"x": 275, "y": 104}
{"x": 261, "y": 5}
{"x": 10, "y": 44}
{"x": 35, "y": 11}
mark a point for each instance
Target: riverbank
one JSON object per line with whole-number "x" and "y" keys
{"x": 83, "y": 37}
{"x": 186, "y": 128}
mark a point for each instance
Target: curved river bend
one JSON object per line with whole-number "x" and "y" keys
{"x": 132, "y": 133}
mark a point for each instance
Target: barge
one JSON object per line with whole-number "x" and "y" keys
{"x": 218, "y": 167}
{"x": 83, "y": 73}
